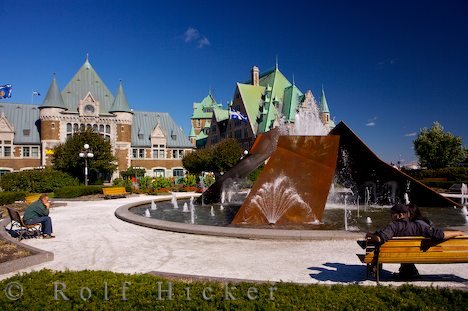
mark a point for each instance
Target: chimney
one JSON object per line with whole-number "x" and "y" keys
{"x": 255, "y": 75}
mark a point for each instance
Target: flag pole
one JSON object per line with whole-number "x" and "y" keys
{"x": 32, "y": 97}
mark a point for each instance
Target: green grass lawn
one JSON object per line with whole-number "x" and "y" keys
{"x": 97, "y": 290}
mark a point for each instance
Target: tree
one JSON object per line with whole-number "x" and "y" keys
{"x": 66, "y": 156}
{"x": 437, "y": 149}
{"x": 218, "y": 158}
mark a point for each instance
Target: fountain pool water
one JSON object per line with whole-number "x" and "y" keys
{"x": 375, "y": 217}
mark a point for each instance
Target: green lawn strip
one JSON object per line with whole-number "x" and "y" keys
{"x": 90, "y": 290}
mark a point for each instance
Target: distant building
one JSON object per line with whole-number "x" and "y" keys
{"x": 201, "y": 120}
{"x": 263, "y": 99}
{"x": 148, "y": 140}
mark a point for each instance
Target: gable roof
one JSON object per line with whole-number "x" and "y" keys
{"x": 144, "y": 123}
{"x": 84, "y": 81}
{"x": 24, "y": 118}
{"x": 252, "y": 98}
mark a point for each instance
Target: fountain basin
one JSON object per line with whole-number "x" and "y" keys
{"x": 443, "y": 217}
{"x": 124, "y": 213}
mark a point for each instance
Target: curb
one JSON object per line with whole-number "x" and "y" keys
{"x": 38, "y": 255}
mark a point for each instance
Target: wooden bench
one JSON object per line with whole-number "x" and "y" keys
{"x": 31, "y": 198}
{"x": 416, "y": 250}
{"x": 23, "y": 230}
{"x": 114, "y": 192}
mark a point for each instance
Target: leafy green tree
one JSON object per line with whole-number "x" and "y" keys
{"x": 66, "y": 156}
{"x": 218, "y": 158}
{"x": 437, "y": 149}
{"x": 197, "y": 161}
{"x": 225, "y": 155}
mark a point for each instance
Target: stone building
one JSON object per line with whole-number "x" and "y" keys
{"x": 149, "y": 140}
{"x": 264, "y": 99}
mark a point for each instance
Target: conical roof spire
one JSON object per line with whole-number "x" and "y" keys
{"x": 323, "y": 103}
{"x": 53, "y": 98}
{"x": 120, "y": 103}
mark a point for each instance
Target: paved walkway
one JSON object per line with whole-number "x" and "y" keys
{"x": 89, "y": 236}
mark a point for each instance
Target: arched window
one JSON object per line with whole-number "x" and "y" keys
{"x": 69, "y": 128}
{"x": 95, "y": 127}
{"x": 108, "y": 129}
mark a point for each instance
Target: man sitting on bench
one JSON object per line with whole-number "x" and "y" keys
{"x": 401, "y": 225}
{"x": 38, "y": 212}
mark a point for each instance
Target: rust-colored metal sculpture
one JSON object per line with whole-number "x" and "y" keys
{"x": 293, "y": 187}
{"x": 360, "y": 168}
{"x": 261, "y": 150}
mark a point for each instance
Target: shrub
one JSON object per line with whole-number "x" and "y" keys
{"x": 163, "y": 182}
{"x": 209, "y": 180}
{"x": 77, "y": 191}
{"x": 145, "y": 183}
{"x": 106, "y": 293}
{"x": 36, "y": 181}
{"x": 127, "y": 183}
{"x": 454, "y": 174}
{"x": 255, "y": 173}
{"x": 11, "y": 197}
{"x": 189, "y": 181}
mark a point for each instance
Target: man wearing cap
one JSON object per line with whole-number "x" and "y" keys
{"x": 402, "y": 226}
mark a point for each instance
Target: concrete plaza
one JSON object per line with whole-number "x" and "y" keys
{"x": 89, "y": 236}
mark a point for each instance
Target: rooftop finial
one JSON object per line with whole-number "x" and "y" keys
{"x": 276, "y": 65}
{"x": 294, "y": 81}
{"x": 87, "y": 56}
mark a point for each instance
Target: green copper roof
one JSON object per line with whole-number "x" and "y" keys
{"x": 192, "y": 132}
{"x": 120, "y": 103}
{"x": 221, "y": 114}
{"x": 252, "y": 99}
{"x": 292, "y": 98}
{"x": 53, "y": 98}
{"x": 204, "y": 109}
{"x": 84, "y": 81}
{"x": 279, "y": 83}
{"x": 323, "y": 103}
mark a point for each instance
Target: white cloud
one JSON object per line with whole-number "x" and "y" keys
{"x": 371, "y": 122}
{"x": 191, "y": 34}
{"x": 411, "y": 134}
{"x": 203, "y": 42}
{"x": 386, "y": 62}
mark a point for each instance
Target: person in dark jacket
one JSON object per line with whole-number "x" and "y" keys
{"x": 405, "y": 223}
{"x": 38, "y": 212}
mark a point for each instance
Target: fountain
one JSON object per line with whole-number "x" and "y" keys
{"x": 192, "y": 215}
{"x": 293, "y": 188}
{"x": 147, "y": 213}
{"x": 185, "y": 208}
{"x": 153, "y": 206}
{"x": 174, "y": 201}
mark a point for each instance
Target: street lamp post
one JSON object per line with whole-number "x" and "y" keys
{"x": 86, "y": 153}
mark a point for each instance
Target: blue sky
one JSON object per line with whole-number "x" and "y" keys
{"x": 389, "y": 68}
